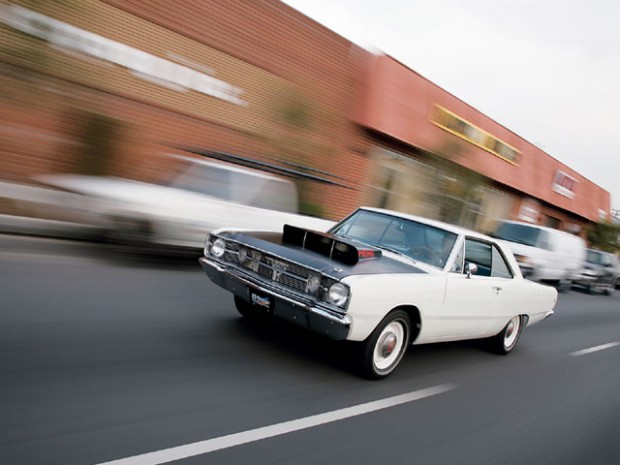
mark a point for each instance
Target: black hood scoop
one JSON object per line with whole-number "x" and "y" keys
{"x": 336, "y": 248}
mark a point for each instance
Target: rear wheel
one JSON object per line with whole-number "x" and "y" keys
{"x": 564, "y": 285}
{"x": 504, "y": 342}
{"x": 379, "y": 355}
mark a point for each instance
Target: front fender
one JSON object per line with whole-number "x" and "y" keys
{"x": 374, "y": 296}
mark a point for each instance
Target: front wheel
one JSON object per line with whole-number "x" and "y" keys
{"x": 504, "y": 342}
{"x": 382, "y": 351}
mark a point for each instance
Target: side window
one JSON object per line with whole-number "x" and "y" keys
{"x": 543, "y": 240}
{"x": 457, "y": 266}
{"x": 479, "y": 253}
{"x": 500, "y": 268}
{"x": 206, "y": 179}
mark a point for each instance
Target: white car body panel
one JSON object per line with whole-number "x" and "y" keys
{"x": 452, "y": 306}
{"x": 561, "y": 259}
{"x": 380, "y": 278}
{"x": 181, "y": 217}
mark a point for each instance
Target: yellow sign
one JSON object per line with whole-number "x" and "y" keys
{"x": 456, "y": 125}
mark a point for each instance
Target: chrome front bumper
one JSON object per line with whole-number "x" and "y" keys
{"x": 302, "y": 312}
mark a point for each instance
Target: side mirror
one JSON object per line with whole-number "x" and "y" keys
{"x": 471, "y": 268}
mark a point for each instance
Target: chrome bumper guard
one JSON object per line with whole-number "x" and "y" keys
{"x": 302, "y": 312}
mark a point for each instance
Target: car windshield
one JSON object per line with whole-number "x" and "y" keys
{"x": 594, "y": 257}
{"x": 237, "y": 186}
{"x": 419, "y": 241}
{"x": 205, "y": 179}
{"x": 519, "y": 233}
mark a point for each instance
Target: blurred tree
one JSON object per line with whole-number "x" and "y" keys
{"x": 294, "y": 118}
{"x": 458, "y": 190}
{"x": 604, "y": 236}
{"x": 99, "y": 138}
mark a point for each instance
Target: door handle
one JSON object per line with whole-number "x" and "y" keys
{"x": 497, "y": 289}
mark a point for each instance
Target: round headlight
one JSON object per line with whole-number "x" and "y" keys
{"x": 338, "y": 294}
{"x": 314, "y": 282}
{"x": 218, "y": 248}
{"x": 242, "y": 255}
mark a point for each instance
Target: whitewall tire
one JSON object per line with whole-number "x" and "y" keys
{"x": 379, "y": 355}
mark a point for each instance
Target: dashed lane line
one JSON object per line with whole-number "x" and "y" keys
{"x": 595, "y": 349}
{"x": 237, "y": 439}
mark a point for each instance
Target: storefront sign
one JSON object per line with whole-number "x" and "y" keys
{"x": 529, "y": 211}
{"x": 149, "y": 67}
{"x": 564, "y": 184}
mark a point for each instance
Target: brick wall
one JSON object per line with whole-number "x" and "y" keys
{"x": 285, "y": 65}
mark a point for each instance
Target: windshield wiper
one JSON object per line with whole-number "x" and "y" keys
{"x": 391, "y": 249}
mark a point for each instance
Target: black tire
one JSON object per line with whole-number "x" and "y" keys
{"x": 564, "y": 285}
{"x": 379, "y": 355}
{"x": 506, "y": 340}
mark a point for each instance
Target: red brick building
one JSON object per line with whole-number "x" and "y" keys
{"x": 260, "y": 80}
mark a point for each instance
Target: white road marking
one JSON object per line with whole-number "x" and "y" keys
{"x": 232, "y": 440}
{"x": 595, "y": 349}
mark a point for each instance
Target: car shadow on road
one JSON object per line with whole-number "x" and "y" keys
{"x": 138, "y": 257}
{"x": 317, "y": 350}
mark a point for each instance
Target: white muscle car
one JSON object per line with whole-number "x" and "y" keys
{"x": 383, "y": 280}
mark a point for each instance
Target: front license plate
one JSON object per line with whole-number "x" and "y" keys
{"x": 262, "y": 301}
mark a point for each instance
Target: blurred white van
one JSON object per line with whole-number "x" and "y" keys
{"x": 544, "y": 254}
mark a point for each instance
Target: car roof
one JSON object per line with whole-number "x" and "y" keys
{"x": 602, "y": 252}
{"x": 436, "y": 223}
{"x": 537, "y": 226}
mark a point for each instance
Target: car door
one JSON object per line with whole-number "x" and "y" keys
{"x": 477, "y": 303}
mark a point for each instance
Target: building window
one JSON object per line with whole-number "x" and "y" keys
{"x": 465, "y": 130}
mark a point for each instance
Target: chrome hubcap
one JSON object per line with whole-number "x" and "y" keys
{"x": 389, "y": 346}
{"x": 512, "y": 331}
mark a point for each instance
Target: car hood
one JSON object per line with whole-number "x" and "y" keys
{"x": 377, "y": 264}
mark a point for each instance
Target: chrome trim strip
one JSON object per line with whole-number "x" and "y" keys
{"x": 266, "y": 252}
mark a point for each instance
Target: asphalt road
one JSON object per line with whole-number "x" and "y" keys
{"x": 105, "y": 356}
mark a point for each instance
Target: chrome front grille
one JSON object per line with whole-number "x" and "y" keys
{"x": 273, "y": 268}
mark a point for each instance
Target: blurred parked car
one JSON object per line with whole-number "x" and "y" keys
{"x": 544, "y": 254}
{"x": 600, "y": 273}
{"x": 382, "y": 280}
{"x": 203, "y": 195}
